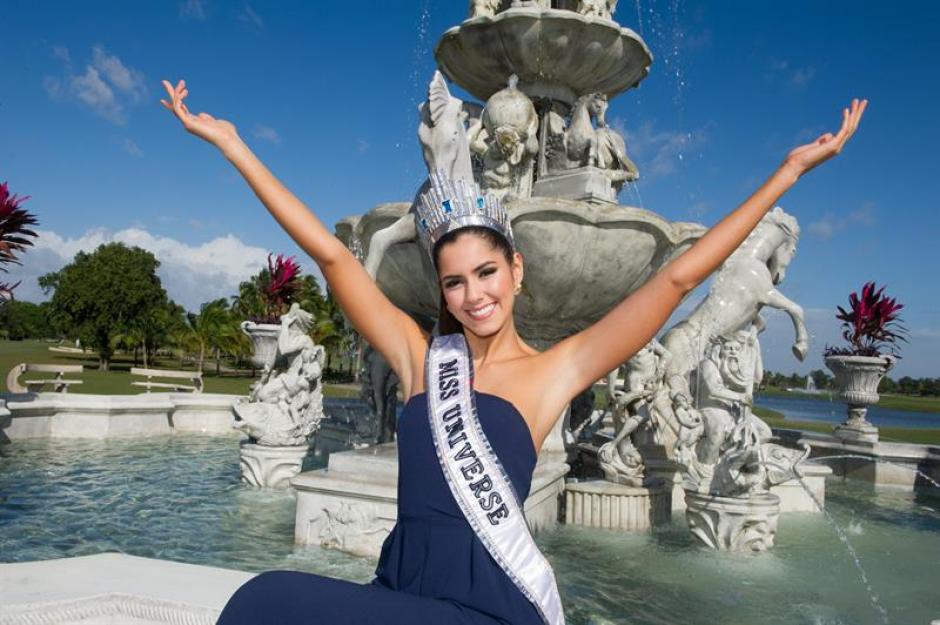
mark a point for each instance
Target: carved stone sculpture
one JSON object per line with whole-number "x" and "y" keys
{"x": 445, "y": 146}
{"x": 380, "y": 391}
{"x": 486, "y": 8}
{"x": 597, "y": 8}
{"x": 642, "y": 403}
{"x": 506, "y": 140}
{"x": 744, "y": 285}
{"x": 285, "y": 406}
{"x": 584, "y": 148}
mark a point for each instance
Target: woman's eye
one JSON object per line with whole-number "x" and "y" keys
{"x": 451, "y": 284}
{"x": 488, "y": 272}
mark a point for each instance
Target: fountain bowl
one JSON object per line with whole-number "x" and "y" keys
{"x": 581, "y": 259}
{"x": 555, "y": 53}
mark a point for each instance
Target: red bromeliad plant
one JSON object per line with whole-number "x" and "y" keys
{"x": 870, "y": 324}
{"x": 15, "y": 228}
{"x": 278, "y": 287}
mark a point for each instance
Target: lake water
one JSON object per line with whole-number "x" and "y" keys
{"x": 809, "y": 408}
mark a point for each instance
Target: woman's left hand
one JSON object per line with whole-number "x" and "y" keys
{"x": 806, "y": 157}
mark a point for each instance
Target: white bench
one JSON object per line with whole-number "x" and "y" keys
{"x": 59, "y": 383}
{"x": 194, "y": 379}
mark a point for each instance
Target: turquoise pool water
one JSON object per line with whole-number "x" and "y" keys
{"x": 178, "y": 498}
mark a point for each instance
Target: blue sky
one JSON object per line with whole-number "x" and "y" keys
{"x": 326, "y": 94}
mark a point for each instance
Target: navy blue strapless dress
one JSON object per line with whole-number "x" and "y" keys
{"x": 433, "y": 568}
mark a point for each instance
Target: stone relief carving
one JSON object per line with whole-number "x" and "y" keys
{"x": 355, "y": 528}
{"x": 285, "y": 406}
{"x": 506, "y": 141}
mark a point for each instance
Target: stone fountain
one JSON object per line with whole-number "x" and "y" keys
{"x": 539, "y": 140}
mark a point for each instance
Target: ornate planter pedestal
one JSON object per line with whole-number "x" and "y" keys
{"x": 733, "y": 523}
{"x": 856, "y": 381}
{"x": 267, "y": 466}
{"x": 263, "y": 341}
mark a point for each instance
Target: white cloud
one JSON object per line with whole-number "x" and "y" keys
{"x": 193, "y": 9}
{"x": 191, "y": 274}
{"x": 129, "y": 146}
{"x": 248, "y": 16}
{"x": 125, "y": 79}
{"x": 105, "y": 86}
{"x": 266, "y": 133}
{"x": 830, "y": 224}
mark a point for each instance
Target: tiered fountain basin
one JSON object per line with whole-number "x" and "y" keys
{"x": 556, "y": 54}
{"x": 177, "y": 499}
{"x": 581, "y": 259}
{"x": 74, "y": 415}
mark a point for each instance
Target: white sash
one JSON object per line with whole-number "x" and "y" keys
{"x": 477, "y": 479}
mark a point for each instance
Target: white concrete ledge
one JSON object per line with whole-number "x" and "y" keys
{"x": 881, "y": 463}
{"x": 60, "y": 415}
{"x": 114, "y": 588}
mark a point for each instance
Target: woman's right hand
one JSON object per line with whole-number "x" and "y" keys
{"x": 218, "y": 132}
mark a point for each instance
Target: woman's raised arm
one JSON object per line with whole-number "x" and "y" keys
{"x": 388, "y": 329}
{"x": 580, "y": 360}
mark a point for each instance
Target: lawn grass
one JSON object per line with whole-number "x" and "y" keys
{"x": 118, "y": 380}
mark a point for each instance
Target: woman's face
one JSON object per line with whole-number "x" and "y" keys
{"x": 478, "y": 284}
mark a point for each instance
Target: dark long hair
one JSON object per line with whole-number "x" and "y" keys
{"x": 446, "y": 322}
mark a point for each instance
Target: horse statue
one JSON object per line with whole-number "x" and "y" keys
{"x": 589, "y": 141}
{"x": 744, "y": 285}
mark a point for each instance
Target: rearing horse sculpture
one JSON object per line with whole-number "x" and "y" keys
{"x": 744, "y": 285}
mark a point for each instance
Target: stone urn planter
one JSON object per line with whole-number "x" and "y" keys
{"x": 733, "y": 523}
{"x": 263, "y": 341}
{"x": 856, "y": 383}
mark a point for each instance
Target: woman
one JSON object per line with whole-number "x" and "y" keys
{"x": 446, "y": 560}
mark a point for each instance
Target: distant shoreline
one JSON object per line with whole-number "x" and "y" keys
{"x": 888, "y": 401}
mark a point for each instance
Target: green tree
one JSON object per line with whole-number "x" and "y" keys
{"x": 99, "y": 296}
{"x": 820, "y": 378}
{"x": 25, "y": 320}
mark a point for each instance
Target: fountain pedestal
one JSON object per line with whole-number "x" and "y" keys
{"x": 733, "y": 523}
{"x": 268, "y": 466}
{"x": 352, "y": 505}
{"x": 603, "y": 504}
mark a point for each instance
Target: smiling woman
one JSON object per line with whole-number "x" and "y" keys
{"x": 455, "y": 556}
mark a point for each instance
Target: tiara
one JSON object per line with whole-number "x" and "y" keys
{"x": 449, "y": 205}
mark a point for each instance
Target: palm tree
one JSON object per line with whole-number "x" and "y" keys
{"x": 206, "y": 327}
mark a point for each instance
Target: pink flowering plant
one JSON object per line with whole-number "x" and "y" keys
{"x": 278, "y": 287}
{"x": 15, "y": 234}
{"x": 870, "y": 325}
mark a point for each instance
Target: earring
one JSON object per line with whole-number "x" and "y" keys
{"x": 518, "y": 289}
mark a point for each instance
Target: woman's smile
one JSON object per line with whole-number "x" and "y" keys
{"x": 482, "y": 312}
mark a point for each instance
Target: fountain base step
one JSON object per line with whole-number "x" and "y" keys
{"x": 352, "y": 505}
{"x": 603, "y": 504}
